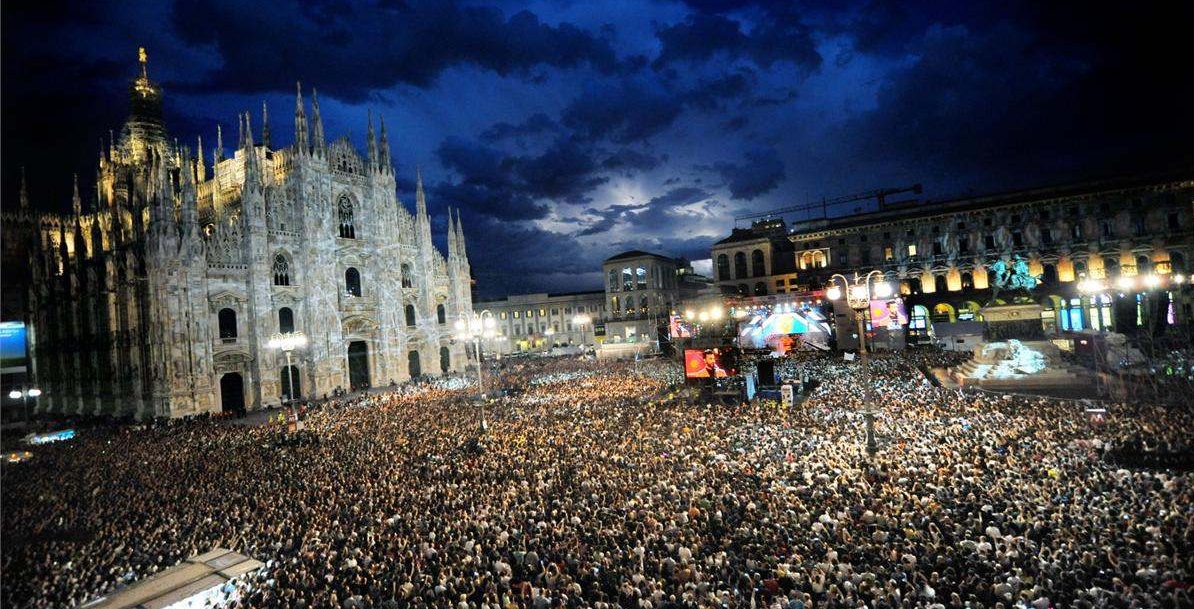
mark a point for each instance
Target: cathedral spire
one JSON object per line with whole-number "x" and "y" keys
{"x": 252, "y": 169}
{"x": 300, "y": 120}
{"x": 240, "y": 131}
{"x": 385, "y": 147}
{"x": 264, "y": 125}
{"x": 218, "y": 153}
{"x": 317, "y": 124}
{"x": 372, "y": 144}
{"x": 24, "y": 190}
{"x": 201, "y": 170}
{"x": 76, "y": 201}
{"x": 462, "y": 249}
{"x": 420, "y": 197}
{"x": 451, "y": 236}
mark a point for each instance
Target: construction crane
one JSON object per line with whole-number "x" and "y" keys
{"x": 824, "y": 204}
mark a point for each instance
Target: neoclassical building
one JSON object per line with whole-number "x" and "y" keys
{"x": 160, "y": 299}
{"x": 1109, "y": 254}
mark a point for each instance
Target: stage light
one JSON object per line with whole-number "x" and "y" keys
{"x": 882, "y": 289}
{"x": 834, "y": 293}
{"x": 704, "y": 316}
{"x": 715, "y": 313}
{"x": 688, "y": 314}
{"x": 15, "y": 394}
{"x": 1152, "y": 281}
{"x": 34, "y": 392}
{"x": 859, "y": 292}
{"x": 1179, "y": 278}
{"x": 1125, "y": 283}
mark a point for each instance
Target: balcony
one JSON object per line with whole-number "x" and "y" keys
{"x": 357, "y": 304}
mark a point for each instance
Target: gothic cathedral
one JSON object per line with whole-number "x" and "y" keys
{"x": 170, "y": 296}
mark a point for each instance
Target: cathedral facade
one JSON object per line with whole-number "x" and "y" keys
{"x": 162, "y": 299}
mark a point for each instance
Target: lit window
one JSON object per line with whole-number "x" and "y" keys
{"x": 517, "y": 315}
{"x": 542, "y": 312}
{"x": 911, "y": 249}
{"x": 502, "y": 315}
{"x": 887, "y": 253}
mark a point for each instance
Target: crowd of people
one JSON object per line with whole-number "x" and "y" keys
{"x": 606, "y": 485}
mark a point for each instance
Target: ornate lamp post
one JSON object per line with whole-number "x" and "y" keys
{"x": 288, "y": 343}
{"x": 474, "y": 327}
{"x": 24, "y": 395}
{"x": 859, "y": 294}
{"x": 579, "y": 323}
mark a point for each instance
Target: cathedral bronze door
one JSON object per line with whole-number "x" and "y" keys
{"x": 358, "y": 365}
{"x": 232, "y": 392}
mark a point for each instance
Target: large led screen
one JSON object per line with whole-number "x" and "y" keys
{"x": 12, "y": 345}
{"x": 773, "y": 330}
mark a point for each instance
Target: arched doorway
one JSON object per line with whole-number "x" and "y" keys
{"x": 413, "y": 365}
{"x": 943, "y": 312}
{"x": 445, "y": 360}
{"x": 232, "y": 392}
{"x": 358, "y": 365}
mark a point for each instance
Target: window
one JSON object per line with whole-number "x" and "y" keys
{"x": 967, "y": 281}
{"x": 1105, "y": 228}
{"x": 961, "y": 226}
{"x": 1048, "y": 273}
{"x": 909, "y": 233}
{"x": 1110, "y": 266}
{"x": 285, "y": 320}
{"x": 352, "y": 282}
{"x": 1177, "y": 262}
{"x": 758, "y": 267}
{"x": 227, "y": 319}
{"x": 530, "y": 313}
{"x": 502, "y": 315}
{"x": 1140, "y": 225}
{"x": 613, "y": 305}
{"x": 779, "y": 283}
{"x": 1047, "y": 236}
{"x": 408, "y": 280}
{"x": 1173, "y": 221}
{"x": 517, "y": 330}
{"x": 887, "y": 253}
{"x": 640, "y": 275}
{"x": 1018, "y": 239}
{"x": 742, "y": 289}
{"x": 542, "y": 312}
{"x": 613, "y": 280}
{"x": 1143, "y": 265}
{"x": 555, "y": 311}
{"x": 410, "y": 315}
{"x": 723, "y": 267}
{"x": 940, "y": 284}
{"x": 739, "y": 265}
{"x": 441, "y": 315}
{"x": 964, "y": 244}
{"x": 866, "y": 256}
{"x": 281, "y": 270}
{"x": 445, "y": 359}
{"x": 989, "y": 242}
{"x": 937, "y": 248}
{"x": 842, "y": 259}
{"x": 347, "y": 221}
{"x": 1076, "y": 230}
{"x": 627, "y": 279}
{"x": 986, "y": 222}
{"x": 760, "y": 289}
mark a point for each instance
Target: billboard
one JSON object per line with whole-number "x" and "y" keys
{"x": 888, "y": 314}
{"x": 12, "y": 346}
{"x": 705, "y": 363}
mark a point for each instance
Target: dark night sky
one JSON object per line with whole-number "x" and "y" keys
{"x": 567, "y": 131}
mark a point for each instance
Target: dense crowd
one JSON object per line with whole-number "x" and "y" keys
{"x": 604, "y": 485}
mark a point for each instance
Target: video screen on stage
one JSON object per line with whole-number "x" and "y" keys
{"x": 12, "y": 346}
{"x": 707, "y": 363}
{"x": 888, "y": 314}
{"x": 775, "y": 329}
{"x": 679, "y": 328}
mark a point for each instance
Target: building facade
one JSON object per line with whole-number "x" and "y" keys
{"x": 161, "y": 299}
{"x": 1109, "y": 255}
{"x": 539, "y": 322}
{"x": 641, "y": 292}
{"x": 755, "y": 261}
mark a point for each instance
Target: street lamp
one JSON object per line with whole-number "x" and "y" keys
{"x": 579, "y": 323}
{"x": 474, "y": 327}
{"x": 24, "y": 395}
{"x": 288, "y": 343}
{"x": 859, "y": 293}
